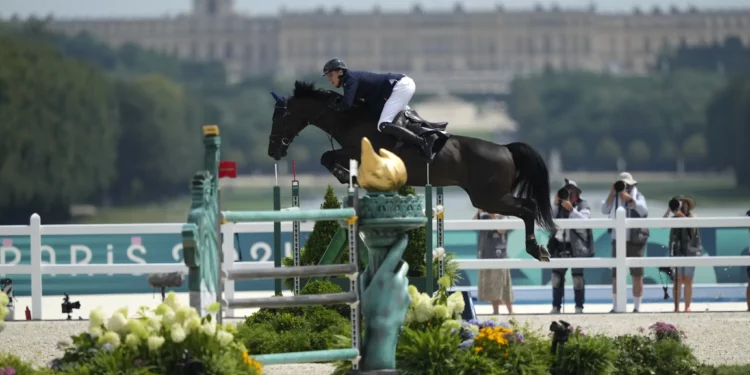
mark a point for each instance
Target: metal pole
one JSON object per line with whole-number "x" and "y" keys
{"x": 277, "y": 231}
{"x": 220, "y": 248}
{"x": 441, "y": 230}
{"x": 295, "y": 227}
{"x": 353, "y": 237}
{"x": 428, "y": 238}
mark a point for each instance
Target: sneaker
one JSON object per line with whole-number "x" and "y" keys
{"x": 636, "y": 311}
{"x": 555, "y": 310}
{"x": 579, "y": 310}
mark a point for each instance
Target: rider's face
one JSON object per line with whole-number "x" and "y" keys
{"x": 335, "y": 78}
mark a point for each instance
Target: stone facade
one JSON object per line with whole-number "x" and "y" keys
{"x": 456, "y": 51}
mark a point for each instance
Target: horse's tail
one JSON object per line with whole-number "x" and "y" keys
{"x": 532, "y": 181}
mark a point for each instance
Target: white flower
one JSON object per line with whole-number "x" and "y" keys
{"x": 456, "y": 303}
{"x": 155, "y": 342}
{"x": 162, "y": 309}
{"x": 224, "y": 337}
{"x": 136, "y": 327}
{"x": 213, "y": 308}
{"x": 110, "y": 338}
{"x": 169, "y": 317}
{"x": 97, "y": 317}
{"x": 117, "y": 322}
{"x": 184, "y": 313}
{"x": 209, "y": 328}
{"x": 423, "y": 310}
{"x": 154, "y": 323}
{"x": 172, "y": 301}
{"x": 452, "y": 324}
{"x": 177, "y": 333}
{"x": 95, "y": 331}
{"x": 191, "y": 325}
{"x": 441, "y": 312}
{"x": 123, "y": 311}
{"x": 132, "y": 341}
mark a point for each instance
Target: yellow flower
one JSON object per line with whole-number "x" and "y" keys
{"x": 251, "y": 363}
{"x": 177, "y": 333}
{"x": 155, "y": 342}
{"x": 132, "y": 341}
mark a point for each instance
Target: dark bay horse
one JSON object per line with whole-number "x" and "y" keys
{"x": 488, "y": 172}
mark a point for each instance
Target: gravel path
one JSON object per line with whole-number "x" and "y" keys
{"x": 717, "y": 338}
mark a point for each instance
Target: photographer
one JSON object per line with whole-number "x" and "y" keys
{"x": 683, "y": 242}
{"x": 624, "y": 193}
{"x": 569, "y": 243}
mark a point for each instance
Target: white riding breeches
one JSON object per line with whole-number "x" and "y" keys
{"x": 399, "y": 100}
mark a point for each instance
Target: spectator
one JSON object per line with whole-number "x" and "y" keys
{"x": 494, "y": 285}
{"x": 683, "y": 242}
{"x": 624, "y": 193}
{"x": 747, "y": 293}
{"x": 570, "y": 243}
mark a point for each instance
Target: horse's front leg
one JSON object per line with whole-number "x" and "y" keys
{"x": 337, "y": 162}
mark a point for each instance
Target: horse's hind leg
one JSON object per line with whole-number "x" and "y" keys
{"x": 521, "y": 208}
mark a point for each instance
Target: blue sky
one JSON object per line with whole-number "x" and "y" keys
{"x": 155, "y": 8}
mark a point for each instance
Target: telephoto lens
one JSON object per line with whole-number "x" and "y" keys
{"x": 619, "y": 186}
{"x": 563, "y": 194}
{"x": 674, "y": 204}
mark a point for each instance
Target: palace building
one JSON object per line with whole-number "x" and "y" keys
{"x": 451, "y": 51}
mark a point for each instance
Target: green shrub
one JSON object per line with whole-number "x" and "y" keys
{"x": 431, "y": 351}
{"x": 327, "y": 287}
{"x": 292, "y": 330}
{"x": 415, "y": 251}
{"x": 675, "y": 358}
{"x": 588, "y": 354}
{"x": 9, "y": 361}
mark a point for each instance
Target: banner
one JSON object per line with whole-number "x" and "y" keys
{"x": 254, "y": 247}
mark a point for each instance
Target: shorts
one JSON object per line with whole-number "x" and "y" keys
{"x": 632, "y": 251}
{"x": 685, "y": 271}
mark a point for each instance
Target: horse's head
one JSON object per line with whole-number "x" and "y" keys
{"x": 291, "y": 115}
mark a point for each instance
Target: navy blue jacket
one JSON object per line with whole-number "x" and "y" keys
{"x": 374, "y": 88}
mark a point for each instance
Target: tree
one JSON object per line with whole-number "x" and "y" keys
{"x": 608, "y": 150}
{"x": 59, "y": 131}
{"x": 639, "y": 152}
{"x": 160, "y": 148}
{"x": 574, "y": 150}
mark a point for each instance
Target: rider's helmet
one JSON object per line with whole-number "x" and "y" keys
{"x": 334, "y": 64}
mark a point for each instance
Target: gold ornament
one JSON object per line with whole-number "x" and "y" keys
{"x": 380, "y": 173}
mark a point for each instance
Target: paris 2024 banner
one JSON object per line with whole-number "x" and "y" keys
{"x": 253, "y": 247}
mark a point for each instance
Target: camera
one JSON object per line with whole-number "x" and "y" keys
{"x": 563, "y": 194}
{"x": 619, "y": 186}
{"x": 68, "y": 307}
{"x": 674, "y": 204}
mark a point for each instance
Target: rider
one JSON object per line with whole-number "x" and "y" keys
{"x": 387, "y": 93}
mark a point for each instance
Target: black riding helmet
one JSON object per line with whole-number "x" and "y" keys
{"x": 334, "y": 64}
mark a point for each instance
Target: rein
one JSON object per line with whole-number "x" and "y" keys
{"x": 287, "y": 141}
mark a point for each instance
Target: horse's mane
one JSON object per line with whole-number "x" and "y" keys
{"x": 309, "y": 90}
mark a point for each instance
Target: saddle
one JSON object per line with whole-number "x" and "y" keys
{"x": 410, "y": 119}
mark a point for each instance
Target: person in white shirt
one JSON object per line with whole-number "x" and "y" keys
{"x": 624, "y": 193}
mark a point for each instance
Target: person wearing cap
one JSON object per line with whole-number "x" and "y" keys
{"x": 624, "y": 193}
{"x": 683, "y": 242}
{"x": 385, "y": 93}
{"x": 570, "y": 243}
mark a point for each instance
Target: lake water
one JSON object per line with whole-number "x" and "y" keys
{"x": 459, "y": 207}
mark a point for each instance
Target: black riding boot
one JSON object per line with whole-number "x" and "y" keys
{"x": 579, "y": 297}
{"x": 404, "y": 134}
{"x": 557, "y": 296}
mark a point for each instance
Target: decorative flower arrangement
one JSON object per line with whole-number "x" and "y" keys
{"x": 166, "y": 339}
{"x": 661, "y": 330}
{"x": 4, "y": 301}
{"x": 487, "y": 335}
{"x": 7, "y": 370}
{"x": 440, "y": 310}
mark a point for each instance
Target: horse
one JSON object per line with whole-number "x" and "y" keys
{"x": 489, "y": 173}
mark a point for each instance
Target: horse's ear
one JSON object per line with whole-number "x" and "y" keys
{"x": 278, "y": 99}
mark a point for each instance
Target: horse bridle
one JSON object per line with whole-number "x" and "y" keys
{"x": 285, "y": 140}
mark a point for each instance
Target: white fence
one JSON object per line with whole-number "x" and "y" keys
{"x": 37, "y": 268}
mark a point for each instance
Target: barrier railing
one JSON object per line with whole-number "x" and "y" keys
{"x": 35, "y": 230}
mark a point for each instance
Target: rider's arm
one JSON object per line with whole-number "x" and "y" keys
{"x": 350, "y": 90}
